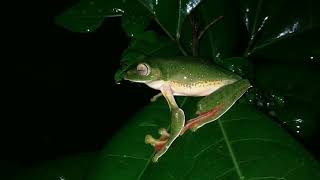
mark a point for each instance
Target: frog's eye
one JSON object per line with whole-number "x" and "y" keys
{"x": 143, "y": 69}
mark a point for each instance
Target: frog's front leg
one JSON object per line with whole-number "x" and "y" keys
{"x": 212, "y": 107}
{"x": 154, "y": 98}
{"x": 162, "y": 144}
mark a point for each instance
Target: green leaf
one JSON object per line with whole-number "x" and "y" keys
{"x": 219, "y": 41}
{"x": 88, "y": 15}
{"x": 242, "y": 144}
{"x": 285, "y": 30}
{"x": 136, "y": 18}
{"x": 299, "y": 112}
{"x": 170, "y": 14}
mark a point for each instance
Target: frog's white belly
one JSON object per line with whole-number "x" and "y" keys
{"x": 193, "y": 89}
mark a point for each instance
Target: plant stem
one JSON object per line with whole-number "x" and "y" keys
{"x": 195, "y": 32}
{"x": 208, "y": 26}
{"x": 181, "y": 48}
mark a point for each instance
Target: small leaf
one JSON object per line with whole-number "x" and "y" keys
{"x": 171, "y": 14}
{"x": 88, "y": 15}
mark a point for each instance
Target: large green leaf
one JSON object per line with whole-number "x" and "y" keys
{"x": 243, "y": 144}
{"x": 282, "y": 29}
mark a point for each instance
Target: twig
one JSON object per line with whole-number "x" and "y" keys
{"x": 208, "y": 26}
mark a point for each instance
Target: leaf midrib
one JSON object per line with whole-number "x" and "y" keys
{"x": 233, "y": 157}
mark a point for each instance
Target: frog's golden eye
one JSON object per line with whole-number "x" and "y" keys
{"x": 143, "y": 69}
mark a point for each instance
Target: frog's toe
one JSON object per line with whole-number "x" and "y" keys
{"x": 160, "y": 143}
{"x": 164, "y": 133}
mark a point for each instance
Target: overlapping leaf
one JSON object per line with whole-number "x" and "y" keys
{"x": 283, "y": 30}
{"x": 171, "y": 14}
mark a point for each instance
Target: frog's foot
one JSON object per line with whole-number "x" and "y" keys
{"x": 162, "y": 144}
{"x": 158, "y": 144}
{"x": 202, "y": 119}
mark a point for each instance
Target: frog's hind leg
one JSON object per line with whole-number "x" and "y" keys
{"x": 202, "y": 119}
{"x": 212, "y": 107}
{"x": 162, "y": 144}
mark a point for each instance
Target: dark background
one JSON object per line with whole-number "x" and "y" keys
{"x": 62, "y": 97}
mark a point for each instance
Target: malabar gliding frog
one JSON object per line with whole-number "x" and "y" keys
{"x": 187, "y": 76}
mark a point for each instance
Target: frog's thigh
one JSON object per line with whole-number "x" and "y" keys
{"x": 211, "y": 107}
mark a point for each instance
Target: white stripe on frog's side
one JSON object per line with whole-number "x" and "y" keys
{"x": 198, "y": 89}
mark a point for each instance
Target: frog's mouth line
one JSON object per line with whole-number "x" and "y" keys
{"x": 137, "y": 81}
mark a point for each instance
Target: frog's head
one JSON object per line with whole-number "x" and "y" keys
{"x": 143, "y": 73}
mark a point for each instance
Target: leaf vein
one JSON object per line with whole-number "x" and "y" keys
{"x": 233, "y": 157}
{"x": 126, "y": 156}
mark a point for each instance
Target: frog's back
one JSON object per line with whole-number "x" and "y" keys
{"x": 191, "y": 76}
{"x": 178, "y": 68}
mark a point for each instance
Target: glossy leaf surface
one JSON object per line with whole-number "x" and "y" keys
{"x": 299, "y": 110}
{"x": 171, "y": 14}
{"x": 244, "y": 143}
{"x": 282, "y": 29}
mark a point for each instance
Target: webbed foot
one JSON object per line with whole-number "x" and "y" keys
{"x": 162, "y": 144}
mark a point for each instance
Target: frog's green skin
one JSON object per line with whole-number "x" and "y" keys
{"x": 188, "y": 76}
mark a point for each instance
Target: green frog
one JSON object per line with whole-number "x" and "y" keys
{"x": 187, "y": 76}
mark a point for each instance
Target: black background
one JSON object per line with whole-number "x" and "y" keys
{"x": 62, "y": 97}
